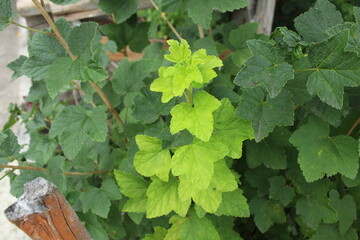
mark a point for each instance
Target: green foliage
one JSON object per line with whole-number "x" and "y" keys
{"x": 174, "y": 165}
{"x": 6, "y": 14}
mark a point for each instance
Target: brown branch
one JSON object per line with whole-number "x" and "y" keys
{"x": 46, "y": 170}
{"x": 167, "y": 21}
{"x": 66, "y": 47}
{"x": 356, "y": 123}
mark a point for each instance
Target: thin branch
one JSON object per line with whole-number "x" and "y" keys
{"x": 201, "y": 32}
{"x": 66, "y": 47}
{"x": 356, "y": 123}
{"x": 32, "y": 29}
{"x": 46, "y": 170}
{"x": 107, "y": 102}
{"x": 163, "y": 15}
{"x": 54, "y": 28}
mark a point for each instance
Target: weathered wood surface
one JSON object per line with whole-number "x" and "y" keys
{"x": 261, "y": 11}
{"x": 44, "y": 214}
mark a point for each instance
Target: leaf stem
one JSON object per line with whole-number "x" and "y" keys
{"x": 188, "y": 95}
{"x": 163, "y": 15}
{"x": 356, "y": 123}
{"x": 46, "y": 170}
{"x": 66, "y": 47}
{"x": 201, "y": 32}
{"x": 32, "y": 29}
{"x": 54, "y": 28}
{"x": 7, "y": 173}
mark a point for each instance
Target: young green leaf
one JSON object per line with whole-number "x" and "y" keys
{"x": 330, "y": 232}
{"x": 16, "y": 66}
{"x": 179, "y": 52}
{"x": 134, "y": 188}
{"x": 265, "y": 112}
{"x": 321, "y": 155}
{"x": 334, "y": 69}
{"x": 191, "y": 228}
{"x": 6, "y": 14}
{"x": 81, "y": 39}
{"x": 163, "y": 198}
{"x": 230, "y": 129}
{"x": 151, "y": 159}
{"x": 74, "y": 124}
{"x": 196, "y": 161}
{"x": 159, "y": 234}
{"x": 266, "y": 67}
{"x": 199, "y": 119}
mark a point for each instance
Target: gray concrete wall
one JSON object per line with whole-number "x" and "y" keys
{"x": 13, "y": 41}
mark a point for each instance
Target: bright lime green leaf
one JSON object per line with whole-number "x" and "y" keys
{"x": 97, "y": 200}
{"x": 345, "y": 209}
{"x": 174, "y": 80}
{"x": 205, "y": 64}
{"x": 313, "y": 23}
{"x": 280, "y": 191}
{"x": 6, "y": 14}
{"x": 330, "y": 232}
{"x": 266, "y": 213}
{"x": 81, "y": 39}
{"x": 265, "y": 112}
{"x": 195, "y": 70}
{"x": 191, "y": 228}
{"x": 270, "y": 151}
{"x": 199, "y": 119}
{"x": 179, "y": 52}
{"x": 122, "y": 10}
{"x": 163, "y": 198}
{"x": 9, "y": 147}
{"x": 159, "y": 234}
{"x": 334, "y": 69}
{"x": 234, "y": 204}
{"x": 209, "y": 199}
{"x": 151, "y": 159}
{"x": 134, "y": 188}
{"x": 266, "y": 67}
{"x": 313, "y": 212}
{"x": 196, "y": 161}
{"x": 130, "y": 185}
{"x": 74, "y": 124}
{"x": 321, "y": 155}
{"x": 200, "y": 11}
{"x": 230, "y": 129}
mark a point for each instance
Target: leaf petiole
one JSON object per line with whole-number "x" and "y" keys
{"x": 32, "y": 29}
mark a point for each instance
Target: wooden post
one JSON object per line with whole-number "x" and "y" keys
{"x": 44, "y": 214}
